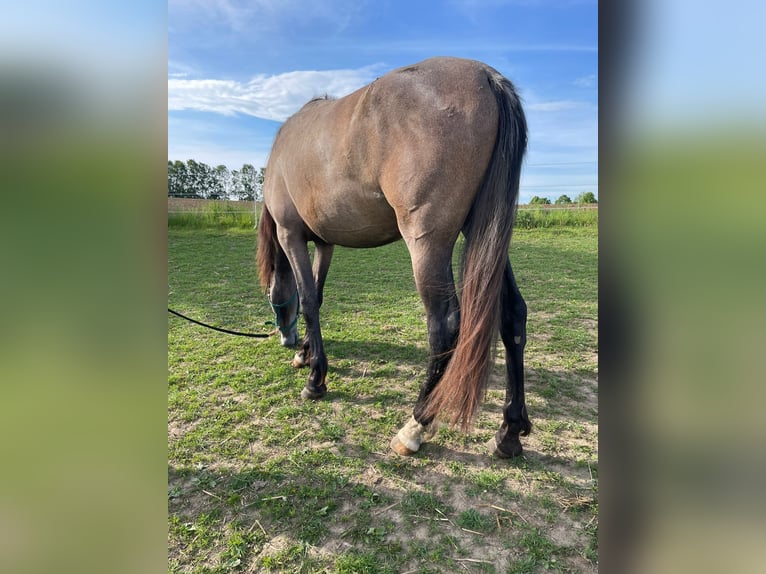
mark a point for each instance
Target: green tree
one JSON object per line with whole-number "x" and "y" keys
{"x": 247, "y": 182}
{"x": 199, "y": 180}
{"x": 174, "y": 180}
{"x": 540, "y": 201}
{"x": 180, "y": 180}
{"x": 221, "y": 182}
{"x": 563, "y": 199}
{"x": 203, "y": 180}
{"x": 259, "y": 184}
{"x": 586, "y": 197}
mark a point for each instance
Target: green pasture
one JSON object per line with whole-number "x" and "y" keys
{"x": 262, "y": 481}
{"x": 226, "y": 215}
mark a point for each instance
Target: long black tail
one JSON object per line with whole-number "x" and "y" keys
{"x": 488, "y": 234}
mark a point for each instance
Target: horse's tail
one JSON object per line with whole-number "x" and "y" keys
{"x": 487, "y": 232}
{"x": 267, "y": 248}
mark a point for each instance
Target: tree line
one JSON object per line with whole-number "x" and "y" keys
{"x": 584, "y": 197}
{"x": 196, "y": 179}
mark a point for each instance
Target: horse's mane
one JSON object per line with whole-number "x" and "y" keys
{"x": 321, "y": 98}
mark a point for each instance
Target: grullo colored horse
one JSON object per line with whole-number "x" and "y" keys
{"x": 423, "y": 153}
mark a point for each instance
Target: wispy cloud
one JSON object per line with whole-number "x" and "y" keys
{"x": 435, "y": 45}
{"x": 274, "y": 97}
{"x": 586, "y": 81}
{"x": 555, "y": 106}
{"x": 541, "y": 3}
{"x": 244, "y": 16}
{"x": 180, "y": 70}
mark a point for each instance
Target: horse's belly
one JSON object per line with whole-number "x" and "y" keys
{"x": 358, "y": 232}
{"x": 357, "y": 223}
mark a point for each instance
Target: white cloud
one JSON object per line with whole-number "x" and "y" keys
{"x": 274, "y": 97}
{"x": 246, "y": 16}
{"x": 233, "y": 13}
{"x": 555, "y": 106}
{"x": 586, "y": 81}
{"x": 180, "y": 70}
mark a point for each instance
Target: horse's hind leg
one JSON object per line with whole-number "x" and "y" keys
{"x": 435, "y": 283}
{"x": 513, "y": 330}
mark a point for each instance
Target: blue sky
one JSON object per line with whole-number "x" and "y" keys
{"x": 237, "y": 69}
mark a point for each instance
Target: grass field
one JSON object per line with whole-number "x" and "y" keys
{"x": 261, "y": 481}
{"x": 203, "y": 213}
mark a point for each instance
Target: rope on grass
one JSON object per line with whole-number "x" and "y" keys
{"x": 227, "y": 331}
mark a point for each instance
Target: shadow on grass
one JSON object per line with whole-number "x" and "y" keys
{"x": 530, "y": 457}
{"x": 560, "y": 394}
{"x": 378, "y": 351}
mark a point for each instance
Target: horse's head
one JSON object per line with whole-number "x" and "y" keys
{"x": 278, "y": 281}
{"x": 284, "y": 300}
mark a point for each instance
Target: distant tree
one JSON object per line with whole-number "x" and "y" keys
{"x": 214, "y": 181}
{"x": 222, "y": 182}
{"x": 175, "y": 183}
{"x": 563, "y": 199}
{"x": 540, "y": 201}
{"x": 204, "y": 180}
{"x": 586, "y": 197}
{"x": 199, "y": 180}
{"x": 245, "y": 186}
{"x": 195, "y": 176}
{"x": 235, "y": 189}
{"x": 181, "y": 182}
{"x": 259, "y": 183}
{"x": 258, "y": 193}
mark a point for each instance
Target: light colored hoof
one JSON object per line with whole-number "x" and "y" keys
{"x": 299, "y": 361}
{"x": 413, "y": 434}
{"x": 399, "y": 448}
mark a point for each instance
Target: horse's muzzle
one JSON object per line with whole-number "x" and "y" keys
{"x": 290, "y": 339}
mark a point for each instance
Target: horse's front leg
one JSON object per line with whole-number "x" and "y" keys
{"x": 322, "y": 258}
{"x": 297, "y": 253}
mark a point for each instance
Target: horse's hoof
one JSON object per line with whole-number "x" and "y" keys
{"x": 399, "y": 448}
{"x": 299, "y": 361}
{"x": 307, "y": 393}
{"x": 508, "y": 449}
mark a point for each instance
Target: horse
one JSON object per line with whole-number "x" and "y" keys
{"x": 423, "y": 153}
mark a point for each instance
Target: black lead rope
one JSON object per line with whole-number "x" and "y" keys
{"x": 227, "y": 331}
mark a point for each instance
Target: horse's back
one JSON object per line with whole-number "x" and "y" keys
{"x": 415, "y": 141}
{"x": 437, "y": 96}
